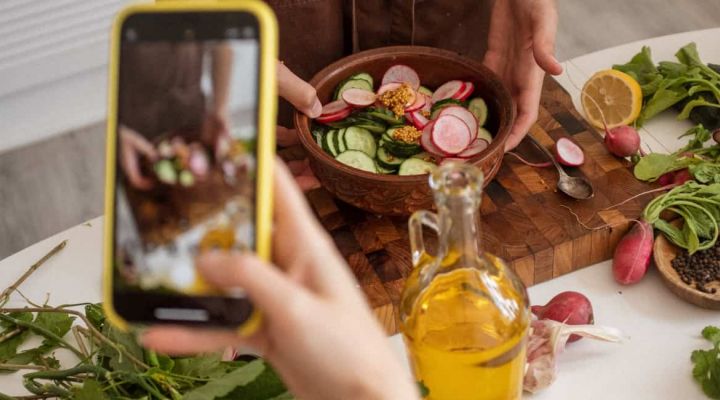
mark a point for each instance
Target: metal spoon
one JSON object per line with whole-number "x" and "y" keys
{"x": 577, "y": 188}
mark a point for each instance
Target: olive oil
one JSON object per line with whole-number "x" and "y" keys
{"x": 464, "y": 314}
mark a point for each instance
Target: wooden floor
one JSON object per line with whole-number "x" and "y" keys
{"x": 50, "y": 186}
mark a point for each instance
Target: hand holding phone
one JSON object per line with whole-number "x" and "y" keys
{"x": 190, "y": 144}
{"x": 318, "y": 327}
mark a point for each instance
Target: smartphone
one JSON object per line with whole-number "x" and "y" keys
{"x": 189, "y": 154}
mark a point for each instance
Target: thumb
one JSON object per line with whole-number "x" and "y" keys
{"x": 298, "y": 92}
{"x": 265, "y": 284}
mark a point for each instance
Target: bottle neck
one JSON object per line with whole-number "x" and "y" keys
{"x": 460, "y": 222}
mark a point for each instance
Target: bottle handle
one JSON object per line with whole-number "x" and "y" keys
{"x": 415, "y": 227}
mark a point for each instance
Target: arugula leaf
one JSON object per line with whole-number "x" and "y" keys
{"x": 266, "y": 386}
{"x": 90, "y": 390}
{"x": 221, "y": 386}
{"x": 203, "y": 366}
{"x": 654, "y": 165}
{"x": 115, "y": 360}
{"x": 642, "y": 69}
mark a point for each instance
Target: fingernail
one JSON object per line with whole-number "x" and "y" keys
{"x": 316, "y": 109}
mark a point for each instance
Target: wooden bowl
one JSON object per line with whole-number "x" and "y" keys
{"x": 393, "y": 194}
{"x": 664, "y": 252}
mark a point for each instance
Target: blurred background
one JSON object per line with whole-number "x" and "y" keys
{"x": 53, "y": 61}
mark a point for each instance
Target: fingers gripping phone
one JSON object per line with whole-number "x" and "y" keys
{"x": 189, "y": 154}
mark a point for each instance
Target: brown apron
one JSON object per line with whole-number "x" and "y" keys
{"x": 314, "y": 33}
{"x": 159, "y": 89}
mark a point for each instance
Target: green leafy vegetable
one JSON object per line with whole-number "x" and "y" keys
{"x": 688, "y": 84}
{"x": 698, "y": 205}
{"x": 706, "y": 364}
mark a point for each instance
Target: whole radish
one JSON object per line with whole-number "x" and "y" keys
{"x": 622, "y": 141}
{"x": 632, "y": 254}
{"x": 675, "y": 178}
{"x": 569, "y": 307}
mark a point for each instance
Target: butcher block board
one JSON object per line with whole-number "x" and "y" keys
{"x": 523, "y": 218}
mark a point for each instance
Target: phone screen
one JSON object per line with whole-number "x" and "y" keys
{"x": 186, "y": 161}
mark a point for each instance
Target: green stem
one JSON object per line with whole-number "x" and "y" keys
{"x": 89, "y": 326}
{"x": 42, "y": 332}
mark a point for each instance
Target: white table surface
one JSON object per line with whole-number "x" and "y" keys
{"x": 652, "y": 363}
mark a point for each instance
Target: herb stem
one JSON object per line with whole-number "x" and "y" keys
{"x": 40, "y": 330}
{"x": 11, "y": 334}
{"x": 5, "y": 295}
{"x": 18, "y": 367}
{"x": 90, "y": 327}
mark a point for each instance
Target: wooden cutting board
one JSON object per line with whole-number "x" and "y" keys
{"x": 523, "y": 220}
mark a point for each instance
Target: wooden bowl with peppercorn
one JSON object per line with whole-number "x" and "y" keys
{"x": 457, "y": 82}
{"x": 696, "y": 278}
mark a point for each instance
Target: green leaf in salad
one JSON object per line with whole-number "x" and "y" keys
{"x": 642, "y": 68}
{"x": 654, "y": 165}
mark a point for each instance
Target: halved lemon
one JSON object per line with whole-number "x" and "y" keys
{"x": 612, "y": 95}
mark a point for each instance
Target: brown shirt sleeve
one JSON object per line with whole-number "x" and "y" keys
{"x": 160, "y": 88}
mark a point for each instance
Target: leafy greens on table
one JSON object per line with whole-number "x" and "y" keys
{"x": 112, "y": 365}
{"x": 688, "y": 83}
{"x": 706, "y": 369}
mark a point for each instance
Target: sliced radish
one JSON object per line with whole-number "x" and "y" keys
{"x": 450, "y": 134}
{"x": 568, "y": 153}
{"x": 468, "y": 89}
{"x": 466, "y": 116}
{"x": 475, "y": 148}
{"x": 418, "y": 103}
{"x": 418, "y": 120}
{"x": 426, "y": 140}
{"x": 401, "y": 74}
{"x": 334, "y": 108}
{"x": 387, "y": 87}
{"x": 358, "y": 97}
{"x": 411, "y": 101}
{"x": 448, "y": 90}
{"x": 452, "y": 159}
{"x": 428, "y": 103}
{"x": 326, "y": 119}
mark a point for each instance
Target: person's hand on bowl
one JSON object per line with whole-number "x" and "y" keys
{"x": 304, "y": 97}
{"x": 521, "y": 47}
{"x": 317, "y": 330}
{"x": 133, "y": 146}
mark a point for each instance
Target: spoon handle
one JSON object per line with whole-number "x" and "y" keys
{"x": 547, "y": 152}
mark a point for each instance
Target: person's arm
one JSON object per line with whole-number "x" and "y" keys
{"x": 222, "y": 60}
{"x": 133, "y": 146}
{"x": 521, "y": 49}
{"x": 317, "y": 330}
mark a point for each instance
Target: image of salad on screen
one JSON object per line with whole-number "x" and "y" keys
{"x": 185, "y": 160}
{"x": 402, "y": 127}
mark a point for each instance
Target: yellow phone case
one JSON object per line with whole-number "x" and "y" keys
{"x": 267, "y": 109}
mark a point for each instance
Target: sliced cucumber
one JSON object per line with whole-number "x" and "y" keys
{"x": 485, "y": 135}
{"x": 326, "y": 140}
{"x": 425, "y": 91}
{"x": 384, "y": 171}
{"x": 401, "y": 149}
{"x": 352, "y": 83}
{"x": 478, "y": 108}
{"x": 357, "y": 159}
{"x": 318, "y": 132}
{"x": 340, "y": 144}
{"x": 387, "y": 160}
{"x": 424, "y": 156}
{"x": 416, "y": 166}
{"x": 385, "y": 115}
{"x": 360, "y": 139}
{"x": 437, "y": 107}
{"x": 331, "y": 143}
{"x": 366, "y": 77}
